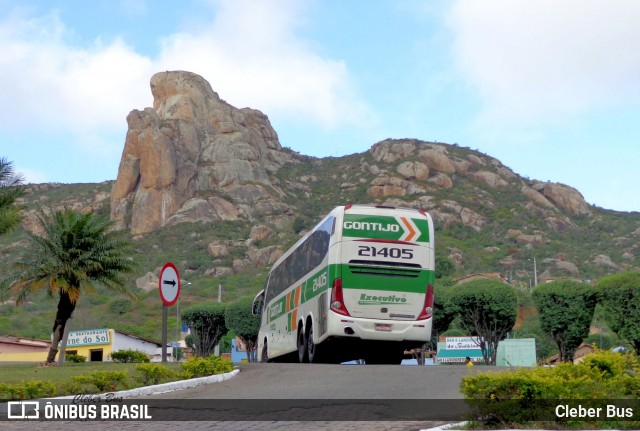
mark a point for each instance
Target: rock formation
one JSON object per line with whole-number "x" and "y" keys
{"x": 564, "y": 197}
{"x": 194, "y": 157}
{"x": 426, "y": 167}
{"x": 190, "y": 142}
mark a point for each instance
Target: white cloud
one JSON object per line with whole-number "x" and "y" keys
{"x": 53, "y": 85}
{"x": 32, "y": 176}
{"x": 248, "y": 50}
{"x": 535, "y": 60}
{"x": 252, "y": 56}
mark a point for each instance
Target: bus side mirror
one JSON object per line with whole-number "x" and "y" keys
{"x": 258, "y": 302}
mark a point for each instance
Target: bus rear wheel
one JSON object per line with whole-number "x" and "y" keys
{"x": 312, "y": 348}
{"x": 303, "y": 354}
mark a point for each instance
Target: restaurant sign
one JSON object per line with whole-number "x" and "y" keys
{"x": 88, "y": 337}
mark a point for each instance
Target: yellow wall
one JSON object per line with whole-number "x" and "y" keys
{"x": 86, "y": 350}
{"x": 25, "y": 357}
{"x": 42, "y": 355}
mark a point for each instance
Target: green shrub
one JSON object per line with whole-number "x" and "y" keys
{"x": 152, "y": 374}
{"x": 38, "y": 389}
{"x": 27, "y": 390}
{"x": 201, "y": 367}
{"x": 75, "y": 388}
{"x": 610, "y": 364}
{"x": 104, "y": 380}
{"x": 524, "y": 395}
{"x": 130, "y": 356}
{"x": 75, "y": 358}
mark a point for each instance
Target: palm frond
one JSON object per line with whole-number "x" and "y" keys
{"x": 74, "y": 251}
{"x": 10, "y": 192}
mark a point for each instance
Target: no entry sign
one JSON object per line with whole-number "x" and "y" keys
{"x": 169, "y": 284}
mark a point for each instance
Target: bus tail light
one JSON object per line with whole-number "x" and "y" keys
{"x": 427, "y": 309}
{"x": 337, "y": 300}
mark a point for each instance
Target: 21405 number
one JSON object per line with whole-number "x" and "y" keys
{"x": 392, "y": 252}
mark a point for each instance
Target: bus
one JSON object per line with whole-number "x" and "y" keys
{"x": 358, "y": 286}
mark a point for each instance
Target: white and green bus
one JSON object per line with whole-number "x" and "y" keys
{"x": 358, "y": 286}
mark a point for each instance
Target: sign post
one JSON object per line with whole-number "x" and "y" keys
{"x": 169, "y": 286}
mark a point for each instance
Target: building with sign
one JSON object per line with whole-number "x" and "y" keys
{"x": 96, "y": 345}
{"x": 454, "y": 350}
{"x": 511, "y": 352}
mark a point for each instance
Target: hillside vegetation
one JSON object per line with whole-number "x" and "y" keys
{"x": 484, "y": 221}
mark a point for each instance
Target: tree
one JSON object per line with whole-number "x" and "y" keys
{"x": 444, "y": 267}
{"x": 207, "y": 324}
{"x": 620, "y": 298}
{"x": 566, "y": 311}
{"x": 487, "y": 309}
{"x": 444, "y": 310}
{"x": 75, "y": 253}
{"x": 10, "y": 191}
{"x": 240, "y": 319}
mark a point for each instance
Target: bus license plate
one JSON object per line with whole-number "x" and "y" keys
{"x": 386, "y": 327}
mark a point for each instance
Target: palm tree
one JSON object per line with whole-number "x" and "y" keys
{"x": 10, "y": 191}
{"x": 75, "y": 252}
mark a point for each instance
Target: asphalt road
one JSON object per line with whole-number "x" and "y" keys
{"x": 326, "y": 389}
{"x": 323, "y": 381}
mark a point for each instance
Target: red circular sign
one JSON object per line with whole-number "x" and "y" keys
{"x": 169, "y": 284}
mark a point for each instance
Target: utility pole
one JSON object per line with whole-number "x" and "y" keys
{"x": 535, "y": 272}
{"x": 216, "y": 349}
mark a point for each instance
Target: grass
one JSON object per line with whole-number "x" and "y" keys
{"x": 16, "y": 373}
{"x": 62, "y": 378}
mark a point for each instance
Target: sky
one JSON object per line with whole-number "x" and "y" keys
{"x": 551, "y": 89}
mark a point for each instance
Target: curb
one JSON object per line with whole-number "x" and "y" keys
{"x": 163, "y": 387}
{"x": 448, "y": 427}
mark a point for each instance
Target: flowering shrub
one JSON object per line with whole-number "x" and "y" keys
{"x": 201, "y": 367}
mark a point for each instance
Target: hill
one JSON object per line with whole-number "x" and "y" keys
{"x": 209, "y": 187}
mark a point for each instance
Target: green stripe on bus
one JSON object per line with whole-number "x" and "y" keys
{"x": 277, "y": 309}
{"x": 315, "y": 285}
{"x": 370, "y": 277}
{"x": 292, "y": 299}
{"x": 384, "y": 227}
{"x": 367, "y": 226}
{"x": 423, "y": 227}
{"x": 386, "y": 278}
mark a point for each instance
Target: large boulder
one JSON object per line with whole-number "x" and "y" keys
{"x": 190, "y": 142}
{"x": 265, "y": 256}
{"x": 390, "y": 150}
{"x": 564, "y": 197}
{"x": 437, "y": 160}
{"x": 413, "y": 171}
{"x": 387, "y": 186}
{"x": 490, "y": 179}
